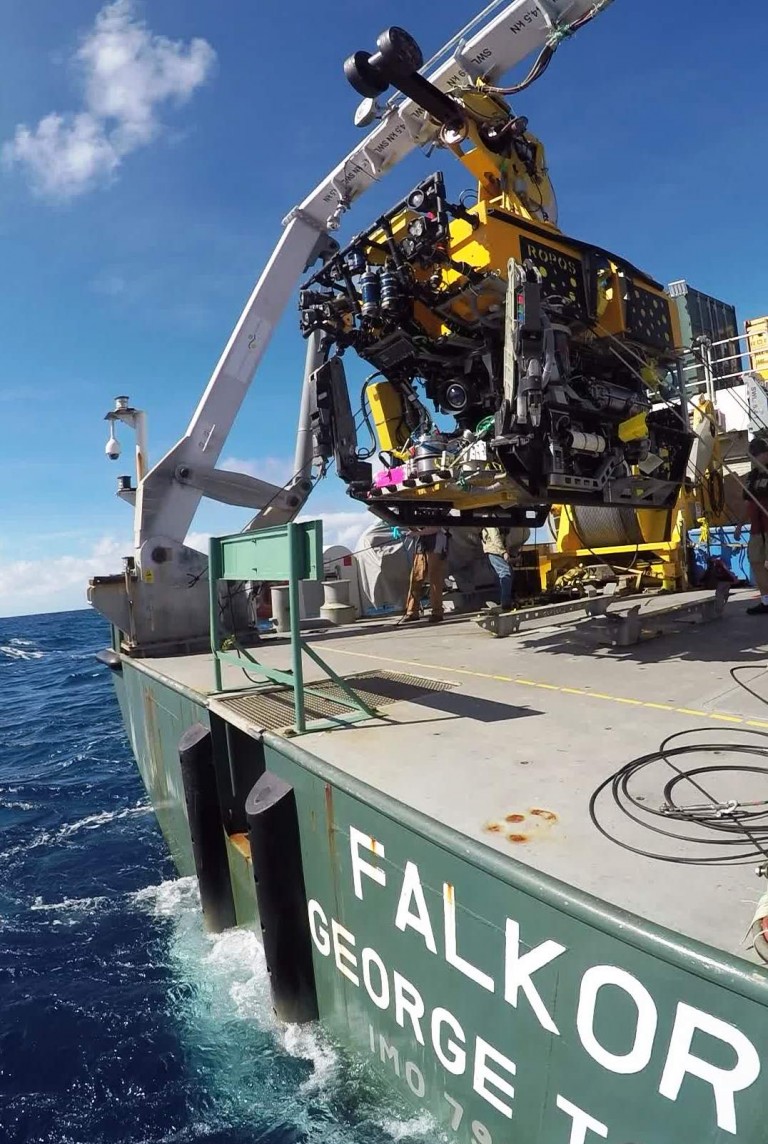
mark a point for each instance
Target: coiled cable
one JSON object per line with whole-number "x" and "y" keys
{"x": 739, "y": 829}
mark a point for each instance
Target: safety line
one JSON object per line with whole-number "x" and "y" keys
{"x": 579, "y": 691}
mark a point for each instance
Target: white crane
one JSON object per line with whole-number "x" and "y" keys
{"x": 167, "y": 496}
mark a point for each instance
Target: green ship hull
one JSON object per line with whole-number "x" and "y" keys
{"x": 506, "y": 1004}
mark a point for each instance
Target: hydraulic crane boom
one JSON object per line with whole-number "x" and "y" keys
{"x": 168, "y": 496}
{"x": 510, "y": 34}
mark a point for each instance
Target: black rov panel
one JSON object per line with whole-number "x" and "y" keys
{"x": 647, "y": 318}
{"x": 562, "y": 275}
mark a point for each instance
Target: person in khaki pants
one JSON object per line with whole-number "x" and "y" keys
{"x": 428, "y": 565}
{"x": 757, "y": 507}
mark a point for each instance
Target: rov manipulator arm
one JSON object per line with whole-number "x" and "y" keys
{"x": 504, "y": 34}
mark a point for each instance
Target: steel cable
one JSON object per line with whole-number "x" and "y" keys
{"x": 736, "y": 825}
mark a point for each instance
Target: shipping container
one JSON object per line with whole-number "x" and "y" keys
{"x": 702, "y": 316}
{"x": 756, "y": 330}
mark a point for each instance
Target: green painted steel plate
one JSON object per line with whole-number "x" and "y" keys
{"x": 266, "y": 554}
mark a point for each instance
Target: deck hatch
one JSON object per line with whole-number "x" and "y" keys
{"x": 272, "y": 707}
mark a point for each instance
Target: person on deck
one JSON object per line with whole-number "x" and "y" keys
{"x": 756, "y": 495}
{"x": 429, "y": 556}
{"x": 495, "y": 548}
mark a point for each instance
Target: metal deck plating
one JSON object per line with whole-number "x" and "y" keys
{"x": 511, "y": 754}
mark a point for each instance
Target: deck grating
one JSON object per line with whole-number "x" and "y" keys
{"x": 272, "y": 708}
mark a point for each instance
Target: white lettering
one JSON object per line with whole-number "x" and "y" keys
{"x": 372, "y": 1037}
{"x": 358, "y": 840}
{"x": 379, "y": 997}
{"x": 519, "y": 970}
{"x": 582, "y": 1122}
{"x": 341, "y": 953}
{"x": 453, "y": 1058}
{"x": 413, "y": 889}
{"x": 451, "y": 956}
{"x": 415, "y": 1079}
{"x": 725, "y": 1082}
{"x": 639, "y": 1055}
{"x": 457, "y": 1111}
{"x": 480, "y": 1133}
{"x": 319, "y": 935}
{"x": 387, "y": 1051}
{"x": 484, "y": 1075}
{"x": 408, "y": 1000}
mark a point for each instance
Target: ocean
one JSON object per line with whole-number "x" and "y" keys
{"x": 123, "y": 1022}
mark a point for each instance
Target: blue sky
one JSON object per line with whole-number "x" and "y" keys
{"x": 132, "y": 235}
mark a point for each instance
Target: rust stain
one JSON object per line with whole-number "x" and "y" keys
{"x": 330, "y": 827}
{"x": 329, "y": 822}
{"x": 158, "y": 779}
{"x": 242, "y": 844}
{"x": 538, "y": 822}
{"x": 547, "y": 815}
{"x": 448, "y": 893}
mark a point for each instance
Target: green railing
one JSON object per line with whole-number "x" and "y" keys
{"x": 292, "y": 553}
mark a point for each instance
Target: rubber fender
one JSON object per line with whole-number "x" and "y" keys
{"x": 273, "y": 822}
{"x": 206, "y": 828}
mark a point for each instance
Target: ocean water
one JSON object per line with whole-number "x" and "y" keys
{"x": 120, "y": 1019}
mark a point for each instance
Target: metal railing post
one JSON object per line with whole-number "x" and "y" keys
{"x": 214, "y": 569}
{"x": 295, "y": 568}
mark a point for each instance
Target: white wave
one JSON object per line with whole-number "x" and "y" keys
{"x": 9, "y": 804}
{"x": 85, "y": 905}
{"x": 309, "y": 1043}
{"x": 233, "y": 967}
{"x": 234, "y": 963}
{"x": 422, "y": 1124}
{"x": 227, "y": 982}
{"x": 237, "y": 959}
{"x": 169, "y": 899}
{"x": 94, "y": 821}
{"x": 90, "y": 822}
{"x": 14, "y": 652}
{"x": 41, "y": 839}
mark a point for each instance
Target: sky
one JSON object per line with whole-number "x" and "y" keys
{"x": 149, "y": 151}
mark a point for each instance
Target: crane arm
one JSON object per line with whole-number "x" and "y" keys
{"x": 165, "y": 504}
{"x": 507, "y": 38}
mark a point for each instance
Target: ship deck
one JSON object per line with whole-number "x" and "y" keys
{"x": 525, "y": 729}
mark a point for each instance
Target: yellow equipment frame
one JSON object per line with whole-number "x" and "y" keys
{"x": 661, "y": 558}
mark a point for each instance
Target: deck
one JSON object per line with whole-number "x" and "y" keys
{"x": 523, "y": 731}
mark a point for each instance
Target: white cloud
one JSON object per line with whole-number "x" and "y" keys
{"x": 28, "y": 587}
{"x": 56, "y": 584}
{"x": 198, "y": 540}
{"x": 338, "y": 528}
{"x": 341, "y": 527}
{"x": 274, "y": 470}
{"x": 128, "y": 73}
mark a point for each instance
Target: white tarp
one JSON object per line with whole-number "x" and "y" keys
{"x": 384, "y": 565}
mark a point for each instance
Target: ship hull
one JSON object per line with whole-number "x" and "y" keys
{"x": 504, "y": 1003}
